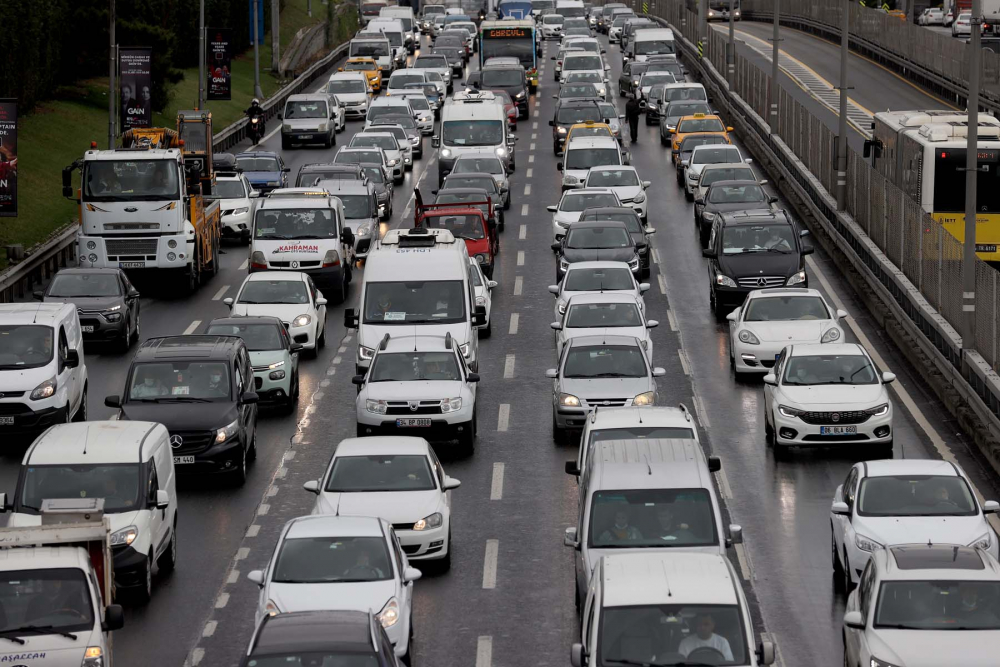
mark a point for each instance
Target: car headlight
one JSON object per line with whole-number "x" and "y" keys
{"x": 519, "y": 96}
{"x": 569, "y": 401}
{"x": 875, "y": 662}
{"x": 92, "y": 245}
{"x": 465, "y": 349}
{"x": 501, "y": 151}
{"x": 601, "y": 91}
{"x": 451, "y": 404}
{"x": 645, "y": 398}
{"x": 634, "y": 263}
{"x": 171, "y": 256}
{"x": 480, "y": 300}
{"x": 569, "y": 179}
{"x": 286, "y": 128}
{"x": 561, "y": 130}
{"x": 277, "y": 375}
{"x": 366, "y": 352}
{"x": 878, "y": 410}
{"x": 446, "y": 152}
{"x": 866, "y": 543}
{"x": 481, "y": 258}
{"x": 393, "y": 162}
{"x": 832, "y": 334}
{"x": 323, "y": 127}
{"x": 240, "y": 211}
{"x": 786, "y": 411}
{"x": 561, "y": 308}
{"x": 301, "y": 320}
{"x": 724, "y": 280}
{"x": 273, "y": 184}
{"x": 748, "y": 337}
{"x": 708, "y": 216}
{"x": 389, "y": 614}
{"x": 799, "y": 277}
{"x": 124, "y": 536}
{"x": 45, "y": 390}
{"x": 433, "y": 521}
{"x": 376, "y": 407}
{"x": 983, "y": 541}
{"x": 93, "y": 657}
{"x": 363, "y": 230}
{"x": 636, "y": 82}
{"x": 271, "y": 609}
{"x": 227, "y": 431}
{"x": 639, "y": 198}
{"x": 563, "y": 223}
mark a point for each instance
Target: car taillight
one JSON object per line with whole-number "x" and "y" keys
{"x": 332, "y": 258}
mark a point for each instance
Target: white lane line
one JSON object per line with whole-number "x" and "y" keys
{"x": 523, "y": 233}
{"x": 234, "y": 576}
{"x": 221, "y": 293}
{"x": 243, "y": 552}
{"x": 222, "y": 601}
{"x": 529, "y": 173}
{"x": 534, "y": 126}
{"x": 656, "y": 256}
{"x": 496, "y": 488}
{"x": 192, "y": 327}
{"x": 197, "y": 655}
{"x": 263, "y": 509}
{"x": 490, "y": 564}
{"x": 508, "y": 367}
{"x": 531, "y": 147}
{"x": 534, "y": 135}
{"x": 527, "y": 189}
{"x": 684, "y": 362}
{"x": 744, "y": 558}
{"x": 484, "y": 651}
{"x": 518, "y": 285}
{"x": 724, "y": 488}
{"x": 536, "y": 113}
{"x": 672, "y": 320}
{"x": 253, "y": 530}
{"x": 531, "y": 159}
{"x": 700, "y": 411}
{"x": 520, "y": 258}
{"x": 209, "y": 629}
{"x": 524, "y": 211}
{"x": 503, "y": 418}
{"x": 514, "y": 317}
{"x": 244, "y": 265}
{"x": 663, "y": 285}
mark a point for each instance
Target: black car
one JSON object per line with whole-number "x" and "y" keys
{"x": 569, "y": 112}
{"x": 596, "y": 241}
{"x": 751, "y": 250}
{"x": 320, "y": 638}
{"x": 479, "y": 181}
{"x": 455, "y": 53}
{"x": 200, "y": 388}
{"x": 727, "y": 196}
{"x": 683, "y": 153}
{"x": 508, "y": 78}
{"x": 640, "y": 234}
{"x": 107, "y": 302}
{"x": 311, "y": 174}
{"x": 629, "y": 78}
{"x": 457, "y": 195}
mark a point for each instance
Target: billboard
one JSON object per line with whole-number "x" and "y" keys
{"x": 8, "y": 158}
{"x": 135, "y": 82}
{"x": 219, "y": 63}
{"x": 260, "y": 21}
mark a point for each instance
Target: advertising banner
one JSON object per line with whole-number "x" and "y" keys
{"x": 219, "y": 59}
{"x": 135, "y": 79}
{"x": 8, "y": 158}
{"x": 260, "y": 21}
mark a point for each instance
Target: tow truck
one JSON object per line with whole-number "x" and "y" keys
{"x": 465, "y": 221}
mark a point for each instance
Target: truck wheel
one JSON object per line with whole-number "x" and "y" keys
{"x": 213, "y": 268}
{"x": 192, "y": 278}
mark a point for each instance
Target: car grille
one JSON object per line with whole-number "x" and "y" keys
{"x": 89, "y": 322}
{"x": 402, "y": 526}
{"x": 767, "y": 363}
{"x": 410, "y": 549}
{"x": 129, "y": 226}
{"x": 849, "y": 417}
{"x": 755, "y": 282}
{"x": 302, "y": 265}
{"x": 845, "y": 437}
{"x": 606, "y": 402}
{"x": 14, "y": 408}
{"x": 403, "y": 408}
{"x": 130, "y": 246}
{"x": 194, "y": 442}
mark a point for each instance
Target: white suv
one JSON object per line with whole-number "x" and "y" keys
{"x": 237, "y": 204}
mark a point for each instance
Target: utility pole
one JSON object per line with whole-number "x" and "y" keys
{"x": 971, "y": 174}
{"x": 703, "y": 22}
{"x": 731, "y": 45}
{"x": 845, "y": 38}
{"x": 772, "y": 90}
{"x": 112, "y": 68}
{"x": 257, "y": 92}
{"x": 309, "y": 7}
{"x": 201, "y": 58}
{"x": 275, "y": 37}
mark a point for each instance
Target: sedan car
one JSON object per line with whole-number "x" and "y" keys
{"x": 289, "y": 296}
{"x": 596, "y": 241}
{"x": 705, "y": 155}
{"x": 712, "y": 173}
{"x": 574, "y": 202}
{"x": 397, "y": 478}
{"x": 671, "y": 112}
{"x": 383, "y": 188}
{"x": 882, "y": 503}
{"x": 628, "y": 80}
{"x": 771, "y": 319}
{"x": 640, "y": 233}
{"x": 682, "y": 155}
{"x": 483, "y": 288}
{"x": 264, "y": 169}
{"x": 552, "y": 25}
{"x": 594, "y": 277}
{"x": 599, "y": 82}
{"x": 725, "y": 196}
{"x": 478, "y": 163}
{"x": 340, "y": 563}
{"x": 624, "y": 181}
{"x": 107, "y": 302}
{"x": 596, "y": 371}
{"x": 827, "y": 394}
{"x": 598, "y": 314}
{"x": 962, "y": 25}
{"x": 273, "y": 355}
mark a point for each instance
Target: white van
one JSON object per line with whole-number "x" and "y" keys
{"x": 43, "y": 378}
{"x": 473, "y": 123}
{"x": 373, "y": 45}
{"x": 405, "y": 16}
{"x": 416, "y": 280}
{"x": 394, "y": 32}
{"x": 128, "y": 464}
{"x": 571, "y": 8}
{"x": 302, "y": 229}
{"x": 648, "y": 42}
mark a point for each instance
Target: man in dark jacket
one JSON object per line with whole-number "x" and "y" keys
{"x": 632, "y": 112}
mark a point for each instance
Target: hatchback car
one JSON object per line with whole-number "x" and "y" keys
{"x": 107, "y": 302}
{"x": 596, "y": 314}
{"x": 706, "y": 155}
{"x": 596, "y": 277}
{"x": 477, "y": 163}
{"x": 264, "y": 169}
{"x": 290, "y": 296}
{"x": 682, "y": 153}
{"x": 319, "y": 637}
{"x": 596, "y": 241}
{"x": 572, "y": 205}
{"x": 483, "y": 288}
{"x": 624, "y": 181}
{"x": 640, "y": 233}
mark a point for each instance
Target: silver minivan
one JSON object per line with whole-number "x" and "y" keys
{"x": 308, "y": 119}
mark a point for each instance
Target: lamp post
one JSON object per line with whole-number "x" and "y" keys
{"x": 112, "y": 69}
{"x": 845, "y": 37}
{"x": 257, "y": 92}
{"x": 971, "y": 175}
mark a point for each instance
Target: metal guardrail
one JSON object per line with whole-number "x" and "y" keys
{"x": 45, "y": 259}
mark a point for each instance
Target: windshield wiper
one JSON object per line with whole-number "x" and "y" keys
{"x": 37, "y": 629}
{"x": 269, "y": 237}
{"x": 189, "y": 399}
{"x": 783, "y": 252}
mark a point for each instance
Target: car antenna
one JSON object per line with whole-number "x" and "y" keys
{"x": 649, "y": 468}
{"x": 666, "y": 578}
{"x": 639, "y": 412}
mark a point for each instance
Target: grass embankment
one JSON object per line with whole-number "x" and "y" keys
{"x": 59, "y": 131}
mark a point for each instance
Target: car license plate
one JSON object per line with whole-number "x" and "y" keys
{"x": 183, "y": 459}
{"x": 87, "y": 329}
{"x": 131, "y": 265}
{"x": 305, "y": 136}
{"x": 837, "y": 430}
{"x": 6, "y": 421}
{"x": 412, "y": 421}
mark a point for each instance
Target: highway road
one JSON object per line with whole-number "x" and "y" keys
{"x": 508, "y": 598}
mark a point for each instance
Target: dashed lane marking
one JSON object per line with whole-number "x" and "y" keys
{"x": 197, "y": 655}
{"x": 490, "y": 564}
{"x": 514, "y": 317}
{"x": 529, "y": 173}
{"x": 518, "y": 284}
{"x": 244, "y": 265}
{"x": 484, "y": 651}
{"x": 524, "y": 211}
{"x": 531, "y": 159}
{"x": 503, "y": 418}
{"x": 520, "y": 258}
{"x": 534, "y": 135}
{"x": 655, "y": 254}
{"x": 508, "y": 367}
{"x": 496, "y": 488}
{"x": 253, "y": 530}
{"x": 234, "y": 576}
{"x": 523, "y": 233}
{"x": 684, "y": 362}
{"x": 192, "y": 327}
{"x": 527, "y": 189}
{"x": 663, "y": 285}
{"x": 209, "y": 629}
{"x": 243, "y": 552}
{"x": 699, "y": 406}
{"x": 531, "y": 146}
{"x": 222, "y": 601}
{"x": 534, "y": 126}
{"x": 671, "y": 319}
{"x": 221, "y": 293}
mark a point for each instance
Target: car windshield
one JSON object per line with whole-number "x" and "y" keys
{"x": 701, "y": 125}
{"x": 130, "y": 180}
{"x": 311, "y": 178}
{"x": 258, "y": 337}
{"x": 553, "y": 19}
{"x": 472, "y": 132}
{"x": 502, "y": 77}
{"x": 415, "y": 301}
{"x": 716, "y": 155}
{"x": 640, "y": 433}
{"x": 580, "y": 114}
{"x": 430, "y": 61}
{"x": 296, "y": 223}
{"x": 605, "y": 361}
{"x": 582, "y": 62}
{"x": 627, "y": 216}
{"x": 672, "y": 635}
{"x": 274, "y": 291}
{"x": 252, "y": 164}
{"x": 691, "y": 143}
{"x": 600, "y": 315}
{"x": 346, "y": 86}
{"x": 938, "y": 605}
{"x": 84, "y": 284}
{"x": 650, "y": 78}
{"x": 592, "y": 238}
{"x": 296, "y": 110}
{"x": 197, "y": 381}
{"x": 739, "y": 239}
{"x": 585, "y": 158}
{"x": 360, "y": 67}
{"x": 816, "y": 369}
{"x": 399, "y": 80}
{"x": 357, "y": 207}
{"x": 478, "y": 165}
{"x": 916, "y": 495}
{"x": 619, "y": 21}
{"x": 652, "y": 47}
{"x": 380, "y": 472}
{"x": 55, "y": 599}
{"x": 24, "y": 346}
{"x": 418, "y": 102}
{"x": 470, "y": 181}
{"x": 679, "y": 109}
{"x": 736, "y": 194}
{"x": 118, "y": 484}
{"x": 573, "y": 202}
{"x": 374, "y": 173}
{"x": 598, "y": 280}
{"x": 415, "y": 367}
{"x": 569, "y": 91}
{"x": 607, "y": 178}
{"x": 710, "y": 176}
{"x": 327, "y": 560}
{"x": 462, "y": 226}
{"x": 588, "y": 77}
{"x": 785, "y": 308}
{"x": 384, "y": 141}
{"x": 652, "y": 518}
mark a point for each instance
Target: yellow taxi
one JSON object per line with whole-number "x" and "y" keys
{"x": 368, "y": 66}
{"x": 897, "y": 13}
{"x": 589, "y": 128}
{"x": 698, "y": 123}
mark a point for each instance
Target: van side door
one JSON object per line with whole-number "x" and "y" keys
{"x": 66, "y": 375}
{"x": 158, "y": 522}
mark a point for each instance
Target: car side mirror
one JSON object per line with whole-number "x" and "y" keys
{"x": 554, "y": 289}
{"x": 280, "y": 115}
{"x": 733, "y": 316}
{"x": 38, "y": 294}
{"x": 312, "y": 486}
{"x": 729, "y": 129}
{"x": 556, "y": 326}
{"x": 228, "y": 301}
{"x": 735, "y": 533}
{"x": 652, "y": 324}
{"x": 435, "y": 141}
{"x": 643, "y": 288}
{"x": 450, "y": 483}
{"x": 491, "y": 284}
{"x": 114, "y": 618}
{"x": 659, "y": 372}
{"x": 646, "y": 184}
{"x": 570, "y": 538}
{"x": 162, "y": 499}
{"x": 991, "y": 507}
{"x": 257, "y": 577}
{"x": 411, "y": 574}
{"x": 250, "y": 397}
{"x": 772, "y": 199}
{"x": 770, "y": 379}
{"x": 286, "y": 169}
{"x": 803, "y": 232}
{"x": 853, "y": 619}
{"x": 551, "y": 373}
{"x": 699, "y": 200}
{"x": 552, "y": 123}
{"x": 358, "y": 380}
{"x": 765, "y": 653}
{"x": 351, "y": 318}
{"x": 572, "y": 468}
{"x": 888, "y": 378}
{"x": 72, "y": 358}
{"x": 295, "y": 348}
{"x": 841, "y": 314}
{"x": 708, "y": 252}
{"x": 840, "y": 507}
{"x": 321, "y": 302}
{"x": 576, "y": 655}
{"x": 133, "y": 293}
{"x": 473, "y": 377}
{"x": 551, "y": 209}
{"x": 808, "y": 250}
{"x": 113, "y": 401}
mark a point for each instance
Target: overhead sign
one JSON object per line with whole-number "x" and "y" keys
{"x": 8, "y": 158}
{"x": 219, "y": 63}
{"x": 136, "y": 83}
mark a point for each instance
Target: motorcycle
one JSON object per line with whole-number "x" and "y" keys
{"x": 255, "y": 129}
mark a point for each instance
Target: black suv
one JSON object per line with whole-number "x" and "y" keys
{"x": 749, "y": 250}
{"x": 320, "y": 638}
{"x": 202, "y": 389}
{"x": 637, "y": 230}
{"x": 508, "y": 78}
{"x": 570, "y": 112}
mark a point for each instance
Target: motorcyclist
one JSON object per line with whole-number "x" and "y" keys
{"x": 255, "y": 110}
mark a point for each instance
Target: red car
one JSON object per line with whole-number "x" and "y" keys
{"x": 508, "y": 106}
{"x": 465, "y": 221}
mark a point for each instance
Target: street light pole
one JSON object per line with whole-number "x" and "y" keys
{"x": 275, "y": 37}
{"x": 845, "y": 38}
{"x": 257, "y": 92}
{"x": 971, "y": 175}
{"x": 772, "y": 90}
{"x": 731, "y": 45}
{"x": 201, "y": 58}
{"x": 112, "y": 68}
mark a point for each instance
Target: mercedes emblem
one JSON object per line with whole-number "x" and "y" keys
{"x": 835, "y": 417}
{"x": 761, "y": 282}
{"x": 176, "y": 441}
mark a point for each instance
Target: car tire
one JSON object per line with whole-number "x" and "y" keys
{"x": 445, "y": 564}
{"x": 321, "y": 340}
{"x": 846, "y": 584}
{"x": 768, "y": 432}
{"x": 293, "y": 395}
{"x": 81, "y": 412}
{"x": 884, "y": 450}
{"x": 135, "y": 330}
{"x": 125, "y": 342}
{"x": 142, "y": 594}
{"x": 252, "y": 449}
{"x": 238, "y": 477}
{"x": 663, "y": 140}
{"x": 838, "y": 570}
{"x": 467, "y": 441}
{"x": 487, "y": 331}
{"x": 688, "y": 195}
{"x": 285, "y": 144}
{"x": 168, "y": 559}
{"x": 680, "y": 177}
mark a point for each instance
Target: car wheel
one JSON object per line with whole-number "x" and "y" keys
{"x": 238, "y": 476}
{"x": 732, "y": 361}
{"x": 663, "y": 140}
{"x": 446, "y": 561}
{"x": 81, "y": 412}
{"x": 252, "y": 450}
{"x": 487, "y": 331}
{"x": 135, "y": 330}
{"x": 884, "y": 450}
{"x": 688, "y": 195}
{"x": 680, "y": 177}
{"x": 142, "y": 594}
{"x": 467, "y": 440}
{"x": 168, "y": 559}
{"x": 558, "y": 435}
{"x": 838, "y": 571}
{"x": 125, "y": 342}
{"x": 768, "y": 432}
{"x": 293, "y": 395}
{"x": 847, "y": 584}
{"x": 321, "y": 341}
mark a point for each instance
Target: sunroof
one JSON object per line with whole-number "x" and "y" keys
{"x": 934, "y": 557}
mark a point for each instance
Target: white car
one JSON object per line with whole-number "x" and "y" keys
{"x": 290, "y": 296}
{"x": 591, "y": 277}
{"x": 398, "y": 479}
{"x": 962, "y": 25}
{"x": 552, "y": 26}
{"x": 612, "y": 313}
{"x": 418, "y": 385}
{"x": 932, "y": 16}
{"x": 771, "y": 319}
{"x": 828, "y": 394}
{"x": 371, "y": 155}
{"x": 599, "y": 81}
{"x": 882, "y": 503}
{"x": 352, "y": 90}
{"x": 624, "y": 181}
{"x": 237, "y": 205}
{"x": 403, "y": 143}
{"x": 708, "y": 154}
{"x": 340, "y": 563}
{"x": 387, "y": 142}
{"x": 583, "y": 61}
{"x": 572, "y": 205}
{"x": 650, "y": 79}
{"x": 483, "y": 288}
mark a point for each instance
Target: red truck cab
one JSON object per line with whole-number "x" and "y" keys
{"x": 465, "y": 221}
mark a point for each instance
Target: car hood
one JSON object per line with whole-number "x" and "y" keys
{"x": 567, "y": 216}
{"x": 286, "y": 312}
{"x": 371, "y": 334}
{"x": 359, "y": 595}
{"x": 921, "y": 529}
{"x": 227, "y": 204}
{"x": 26, "y": 379}
{"x": 594, "y": 555}
{"x": 352, "y": 97}
{"x": 262, "y": 176}
{"x": 598, "y": 254}
{"x": 760, "y": 264}
{"x": 395, "y": 507}
{"x": 606, "y": 387}
{"x": 969, "y": 648}
{"x": 304, "y": 123}
{"x": 88, "y": 302}
{"x": 726, "y": 207}
{"x": 181, "y": 416}
{"x": 266, "y": 357}
{"x": 118, "y": 521}
{"x": 832, "y": 395}
{"x": 425, "y": 390}
{"x": 798, "y": 331}
{"x": 50, "y": 650}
